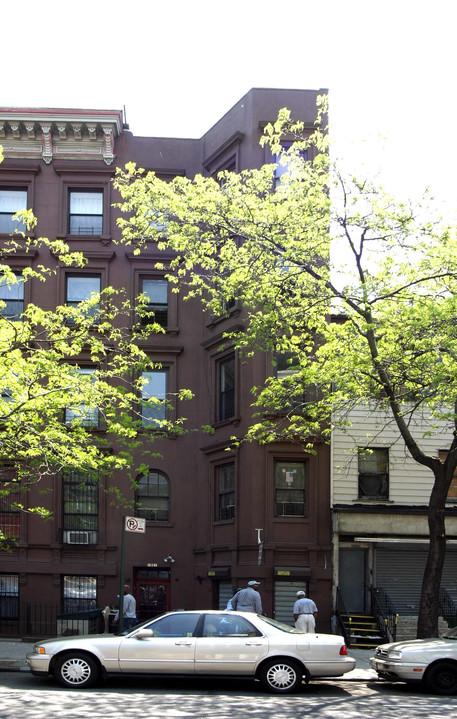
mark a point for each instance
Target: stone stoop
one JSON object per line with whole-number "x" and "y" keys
{"x": 407, "y": 627}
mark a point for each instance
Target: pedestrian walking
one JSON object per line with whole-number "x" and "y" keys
{"x": 305, "y": 612}
{"x": 129, "y": 610}
{"x": 248, "y": 600}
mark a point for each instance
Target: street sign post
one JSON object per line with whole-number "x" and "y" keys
{"x": 129, "y": 524}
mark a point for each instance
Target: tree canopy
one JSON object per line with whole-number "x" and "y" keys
{"x": 70, "y": 378}
{"x": 355, "y": 291}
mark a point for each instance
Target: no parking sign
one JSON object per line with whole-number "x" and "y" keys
{"x": 135, "y": 524}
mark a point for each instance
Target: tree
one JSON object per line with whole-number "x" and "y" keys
{"x": 357, "y": 290}
{"x": 70, "y": 379}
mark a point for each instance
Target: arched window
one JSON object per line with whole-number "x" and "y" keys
{"x": 153, "y": 497}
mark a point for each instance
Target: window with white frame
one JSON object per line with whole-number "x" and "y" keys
{"x": 153, "y": 497}
{"x": 79, "y": 593}
{"x": 80, "y": 507}
{"x": 155, "y": 291}
{"x": 12, "y": 200}
{"x": 373, "y": 473}
{"x": 154, "y": 394}
{"x": 290, "y": 489}
{"x": 83, "y": 414}
{"x": 85, "y": 215}
{"x": 225, "y": 478}
{"x": 12, "y": 297}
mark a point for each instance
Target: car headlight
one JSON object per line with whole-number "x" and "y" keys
{"x": 395, "y": 654}
{"x": 39, "y": 650}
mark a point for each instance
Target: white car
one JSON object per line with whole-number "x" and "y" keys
{"x": 197, "y": 643}
{"x": 430, "y": 661}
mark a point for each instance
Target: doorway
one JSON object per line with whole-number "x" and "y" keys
{"x": 151, "y": 589}
{"x": 352, "y": 578}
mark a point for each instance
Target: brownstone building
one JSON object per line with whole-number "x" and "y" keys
{"x": 214, "y": 518}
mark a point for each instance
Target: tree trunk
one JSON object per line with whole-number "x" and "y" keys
{"x": 427, "y": 625}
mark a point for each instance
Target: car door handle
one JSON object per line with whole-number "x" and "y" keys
{"x": 253, "y": 644}
{"x": 183, "y": 644}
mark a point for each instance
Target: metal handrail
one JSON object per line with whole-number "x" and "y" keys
{"x": 341, "y": 609}
{"x": 383, "y": 610}
{"x": 448, "y": 608}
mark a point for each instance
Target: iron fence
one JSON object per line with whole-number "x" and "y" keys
{"x": 46, "y": 620}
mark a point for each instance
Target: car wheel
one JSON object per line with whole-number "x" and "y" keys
{"x": 281, "y": 675}
{"x": 76, "y": 670}
{"x": 441, "y": 678}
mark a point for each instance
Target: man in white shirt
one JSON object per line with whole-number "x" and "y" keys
{"x": 305, "y": 612}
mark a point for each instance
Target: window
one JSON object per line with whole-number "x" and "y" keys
{"x": 79, "y": 593}
{"x": 282, "y": 168}
{"x": 373, "y": 473}
{"x": 287, "y": 364}
{"x": 154, "y": 406}
{"x": 9, "y": 596}
{"x": 156, "y": 292}
{"x": 225, "y": 491}
{"x": 290, "y": 489}
{"x": 12, "y": 294}
{"x": 80, "y": 288}
{"x": 83, "y": 414}
{"x": 11, "y": 201}
{"x": 228, "y": 625}
{"x": 10, "y": 514}
{"x": 175, "y": 625}
{"x": 452, "y": 493}
{"x": 80, "y": 507}
{"x": 85, "y": 212}
{"x": 226, "y": 403}
{"x": 153, "y": 497}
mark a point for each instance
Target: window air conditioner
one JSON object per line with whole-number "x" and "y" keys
{"x": 77, "y": 537}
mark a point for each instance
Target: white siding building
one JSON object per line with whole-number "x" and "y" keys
{"x": 379, "y": 500}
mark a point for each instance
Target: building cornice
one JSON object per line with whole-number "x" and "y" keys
{"x": 59, "y": 134}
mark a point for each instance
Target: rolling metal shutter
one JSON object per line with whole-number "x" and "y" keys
{"x": 285, "y": 597}
{"x": 225, "y": 593}
{"x": 399, "y": 571}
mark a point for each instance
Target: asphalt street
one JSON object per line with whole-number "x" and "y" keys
{"x": 359, "y": 695}
{"x": 24, "y": 696}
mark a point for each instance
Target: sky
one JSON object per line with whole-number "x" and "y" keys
{"x": 177, "y": 66}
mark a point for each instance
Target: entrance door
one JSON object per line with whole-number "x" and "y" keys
{"x": 152, "y": 592}
{"x": 352, "y": 573}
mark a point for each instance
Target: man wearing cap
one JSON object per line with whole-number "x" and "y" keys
{"x": 305, "y": 612}
{"x": 248, "y": 600}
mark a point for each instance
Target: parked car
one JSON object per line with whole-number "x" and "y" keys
{"x": 433, "y": 662}
{"x": 198, "y": 643}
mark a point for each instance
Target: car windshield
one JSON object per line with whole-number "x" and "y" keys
{"x": 280, "y": 625}
{"x": 450, "y": 634}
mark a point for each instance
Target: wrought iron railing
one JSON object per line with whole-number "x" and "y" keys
{"x": 384, "y": 612}
{"x": 448, "y": 608}
{"x": 45, "y": 620}
{"x": 343, "y": 617}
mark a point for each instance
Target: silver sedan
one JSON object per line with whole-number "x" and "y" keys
{"x": 433, "y": 662}
{"x": 197, "y": 643}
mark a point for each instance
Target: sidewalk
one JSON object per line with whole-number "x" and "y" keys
{"x": 12, "y": 655}
{"x": 13, "y": 651}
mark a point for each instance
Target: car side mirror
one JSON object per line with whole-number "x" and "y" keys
{"x": 144, "y": 634}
